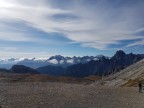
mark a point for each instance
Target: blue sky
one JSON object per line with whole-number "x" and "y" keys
{"x": 30, "y": 28}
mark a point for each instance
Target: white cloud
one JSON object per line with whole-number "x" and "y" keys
{"x": 13, "y": 37}
{"x": 61, "y": 61}
{"x": 96, "y": 27}
{"x": 70, "y": 61}
{"x": 53, "y": 61}
{"x": 5, "y": 49}
{"x": 141, "y": 42}
{"x": 17, "y": 54}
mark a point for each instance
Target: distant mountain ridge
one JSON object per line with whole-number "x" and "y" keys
{"x": 57, "y": 60}
{"x": 101, "y": 67}
{"x": 23, "y": 69}
{"x": 52, "y": 70}
{"x": 77, "y": 66}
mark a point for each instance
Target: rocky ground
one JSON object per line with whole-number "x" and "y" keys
{"x": 64, "y": 95}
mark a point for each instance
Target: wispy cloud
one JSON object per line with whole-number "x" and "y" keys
{"x": 5, "y": 49}
{"x": 24, "y": 54}
{"x": 97, "y": 25}
{"x": 141, "y": 42}
{"x": 18, "y": 53}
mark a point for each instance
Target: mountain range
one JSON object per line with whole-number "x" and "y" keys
{"x": 101, "y": 66}
{"x": 57, "y": 60}
{"x": 104, "y": 66}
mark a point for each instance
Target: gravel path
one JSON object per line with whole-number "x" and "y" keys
{"x": 63, "y": 95}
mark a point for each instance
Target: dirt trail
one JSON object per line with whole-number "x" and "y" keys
{"x": 63, "y": 95}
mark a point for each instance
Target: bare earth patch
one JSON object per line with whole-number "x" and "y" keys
{"x": 64, "y": 95}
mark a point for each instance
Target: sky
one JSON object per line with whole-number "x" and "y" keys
{"x": 42, "y": 28}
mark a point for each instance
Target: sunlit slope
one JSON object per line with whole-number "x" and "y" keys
{"x": 127, "y": 77}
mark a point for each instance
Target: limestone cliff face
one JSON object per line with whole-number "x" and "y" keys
{"x": 127, "y": 77}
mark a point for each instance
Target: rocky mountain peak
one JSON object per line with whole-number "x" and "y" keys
{"x": 120, "y": 54}
{"x": 58, "y": 57}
